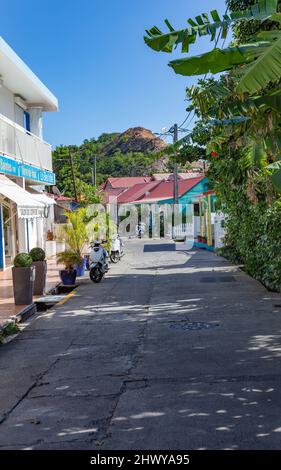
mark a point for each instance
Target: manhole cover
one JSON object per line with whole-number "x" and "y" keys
{"x": 197, "y": 325}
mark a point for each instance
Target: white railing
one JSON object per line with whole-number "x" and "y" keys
{"x": 17, "y": 143}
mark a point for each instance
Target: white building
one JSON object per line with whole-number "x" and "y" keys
{"x": 26, "y": 213}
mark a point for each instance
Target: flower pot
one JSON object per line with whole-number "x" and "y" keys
{"x": 68, "y": 277}
{"x": 60, "y": 247}
{"x": 51, "y": 248}
{"x": 23, "y": 282}
{"x": 40, "y": 277}
{"x": 81, "y": 268}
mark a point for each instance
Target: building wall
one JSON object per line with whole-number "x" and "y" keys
{"x": 193, "y": 194}
{"x": 15, "y": 112}
{"x": 7, "y": 103}
{"x": 190, "y": 196}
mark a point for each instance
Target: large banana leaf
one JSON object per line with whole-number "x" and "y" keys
{"x": 218, "y": 60}
{"x": 266, "y": 69}
{"x": 276, "y": 180}
{"x": 254, "y": 157}
{"x": 203, "y": 26}
{"x": 272, "y": 102}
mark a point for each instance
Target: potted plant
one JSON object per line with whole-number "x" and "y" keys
{"x": 81, "y": 267}
{"x": 39, "y": 262}
{"x": 69, "y": 259}
{"x": 76, "y": 235}
{"x": 50, "y": 245}
{"x": 23, "y": 279}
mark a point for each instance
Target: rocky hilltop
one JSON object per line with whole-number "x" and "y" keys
{"x": 136, "y": 139}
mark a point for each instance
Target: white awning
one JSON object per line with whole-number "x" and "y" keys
{"x": 27, "y": 206}
{"x": 41, "y": 197}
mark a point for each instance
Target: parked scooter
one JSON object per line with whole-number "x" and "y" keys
{"x": 116, "y": 249}
{"x": 98, "y": 262}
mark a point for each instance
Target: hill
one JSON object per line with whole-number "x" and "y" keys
{"x": 136, "y": 139}
{"x": 134, "y": 152}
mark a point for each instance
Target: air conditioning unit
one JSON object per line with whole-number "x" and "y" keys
{"x": 20, "y": 101}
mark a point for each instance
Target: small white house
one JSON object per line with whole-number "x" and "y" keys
{"x": 26, "y": 212}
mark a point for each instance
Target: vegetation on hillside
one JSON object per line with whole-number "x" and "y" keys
{"x": 115, "y": 156}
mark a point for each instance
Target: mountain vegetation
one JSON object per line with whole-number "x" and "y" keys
{"x": 135, "y": 152}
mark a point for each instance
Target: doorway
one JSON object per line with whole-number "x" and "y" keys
{"x": 9, "y": 236}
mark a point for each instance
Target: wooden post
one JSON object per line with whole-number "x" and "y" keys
{"x": 209, "y": 227}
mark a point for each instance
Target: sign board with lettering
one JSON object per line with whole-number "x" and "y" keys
{"x": 23, "y": 170}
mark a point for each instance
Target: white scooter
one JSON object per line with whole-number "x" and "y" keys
{"x": 116, "y": 249}
{"x": 98, "y": 264}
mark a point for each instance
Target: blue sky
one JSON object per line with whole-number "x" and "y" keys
{"x": 92, "y": 56}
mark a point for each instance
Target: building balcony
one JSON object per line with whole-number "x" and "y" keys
{"x": 23, "y": 146}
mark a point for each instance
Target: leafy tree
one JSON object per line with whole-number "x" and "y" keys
{"x": 114, "y": 165}
{"x": 239, "y": 115}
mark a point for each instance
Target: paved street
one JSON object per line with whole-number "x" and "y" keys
{"x": 173, "y": 350}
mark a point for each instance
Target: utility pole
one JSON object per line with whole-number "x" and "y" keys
{"x": 176, "y": 179}
{"x": 95, "y": 171}
{"x": 73, "y": 176}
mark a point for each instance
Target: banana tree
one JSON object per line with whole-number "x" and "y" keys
{"x": 247, "y": 108}
{"x": 261, "y": 58}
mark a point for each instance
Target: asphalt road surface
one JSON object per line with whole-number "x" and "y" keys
{"x": 173, "y": 350}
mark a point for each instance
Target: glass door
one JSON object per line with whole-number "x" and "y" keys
{"x": 9, "y": 235}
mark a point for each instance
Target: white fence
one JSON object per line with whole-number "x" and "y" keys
{"x": 184, "y": 231}
{"x": 16, "y": 142}
{"x": 220, "y": 230}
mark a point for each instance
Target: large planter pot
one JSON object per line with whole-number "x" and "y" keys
{"x": 60, "y": 247}
{"x": 68, "y": 277}
{"x": 23, "y": 282}
{"x": 81, "y": 268}
{"x": 40, "y": 277}
{"x": 51, "y": 248}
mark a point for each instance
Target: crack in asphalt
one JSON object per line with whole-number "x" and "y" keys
{"x": 5, "y": 416}
{"x": 105, "y": 431}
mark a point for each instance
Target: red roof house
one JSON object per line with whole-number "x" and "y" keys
{"x": 150, "y": 189}
{"x": 136, "y": 192}
{"x": 165, "y": 190}
{"x": 125, "y": 182}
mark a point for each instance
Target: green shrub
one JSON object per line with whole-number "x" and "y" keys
{"x": 23, "y": 260}
{"x": 253, "y": 238}
{"x": 37, "y": 254}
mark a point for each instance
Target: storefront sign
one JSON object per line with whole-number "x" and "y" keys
{"x": 8, "y": 166}
{"x": 23, "y": 170}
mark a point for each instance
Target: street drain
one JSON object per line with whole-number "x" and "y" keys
{"x": 197, "y": 325}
